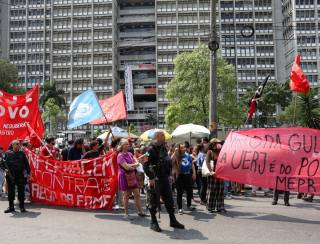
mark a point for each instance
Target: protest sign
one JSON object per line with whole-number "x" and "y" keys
{"x": 277, "y": 158}
{"x": 16, "y": 111}
{"x": 90, "y": 184}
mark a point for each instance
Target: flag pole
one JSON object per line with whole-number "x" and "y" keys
{"x": 104, "y": 115}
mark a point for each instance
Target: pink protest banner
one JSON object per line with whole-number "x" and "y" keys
{"x": 90, "y": 184}
{"x": 277, "y": 158}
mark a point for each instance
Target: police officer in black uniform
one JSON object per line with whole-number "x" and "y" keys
{"x": 158, "y": 168}
{"x": 16, "y": 163}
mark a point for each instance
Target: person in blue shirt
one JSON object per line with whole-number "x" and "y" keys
{"x": 185, "y": 174}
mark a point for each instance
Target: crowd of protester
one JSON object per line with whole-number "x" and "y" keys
{"x": 185, "y": 174}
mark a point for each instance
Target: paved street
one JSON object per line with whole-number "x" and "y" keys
{"x": 249, "y": 220}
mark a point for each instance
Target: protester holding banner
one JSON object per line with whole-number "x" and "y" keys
{"x": 65, "y": 151}
{"x": 49, "y": 151}
{"x": 276, "y": 197}
{"x": 128, "y": 181}
{"x": 215, "y": 195}
{"x": 94, "y": 151}
{"x": 16, "y": 164}
{"x": 77, "y": 151}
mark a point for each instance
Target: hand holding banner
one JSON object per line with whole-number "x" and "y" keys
{"x": 279, "y": 158}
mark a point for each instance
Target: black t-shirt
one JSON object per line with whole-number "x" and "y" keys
{"x": 74, "y": 154}
{"x": 91, "y": 154}
{"x": 64, "y": 153}
{"x": 17, "y": 162}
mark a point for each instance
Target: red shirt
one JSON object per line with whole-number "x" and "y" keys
{"x": 44, "y": 152}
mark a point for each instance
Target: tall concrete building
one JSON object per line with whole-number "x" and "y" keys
{"x": 250, "y": 39}
{"x": 4, "y": 13}
{"x": 300, "y": 29}
{"x": 180, "y": 26}
{"x": 87, "y": 43}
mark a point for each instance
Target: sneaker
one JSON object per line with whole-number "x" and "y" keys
{"x": 116, "y": 207}
{"x": 287, "y": 204}
{"x": 228, "y": 197}
{"x": 274, "y": 203}
{"x": 180, "y": 211}
{"x": 23, "y": 210}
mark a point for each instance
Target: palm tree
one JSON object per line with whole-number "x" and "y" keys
{"x": 309, "y": 107}
{"x": 50, "y": 91}
{"x": 151, "y": 119}
{"x": 304, "y": 111}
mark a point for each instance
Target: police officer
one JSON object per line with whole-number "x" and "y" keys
{"x": 157, "y": 168}
{"x": 16, "y": 163}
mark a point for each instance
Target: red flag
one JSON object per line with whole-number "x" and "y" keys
{"x": 252, "y": 109}
{"x": 16, "y": 111}
{"x": 298, "y": 81}
{"x": 36, "y": 133}
{"x": 254, "y": 100}
{"x": 114, "y": 109}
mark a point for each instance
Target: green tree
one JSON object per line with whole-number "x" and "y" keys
{"x": 304, "y": 110}
{"x": 188, "y": 92}
{"x": 50, "y": 92}
{"x": 51, "y": 113}
{"x": 274, "y": 94}
{"x": 151, "y": 119}
{"x": 132, "y": 129}
{"x": 8, "y": 77}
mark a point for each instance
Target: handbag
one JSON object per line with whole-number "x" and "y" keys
{"x": 131, "y": 179}
{"x": 205, "y": 171}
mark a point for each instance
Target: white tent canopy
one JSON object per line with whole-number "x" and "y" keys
{"x": 190, "y": 131}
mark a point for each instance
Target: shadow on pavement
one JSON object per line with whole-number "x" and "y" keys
{"x": 28, "y": 214}
{"x": 269, "y": 217}
{"x": 188, "y": 234}
{"x": 307, "y": 205}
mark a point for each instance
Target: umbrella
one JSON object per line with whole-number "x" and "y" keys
{"x": 117, "y": 132}
{"x": 190, "y": 131}
{"x": 149, "y": 135}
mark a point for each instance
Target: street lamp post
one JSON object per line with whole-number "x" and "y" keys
{"x": 213, "y": 46}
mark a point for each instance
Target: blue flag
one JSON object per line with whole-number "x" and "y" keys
{"x": 84, "y": 109}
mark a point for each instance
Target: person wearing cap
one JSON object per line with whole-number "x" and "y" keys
{"x": 158, "y": 170}
{"x": 17, "y": 164}
{"x": 215, "y": 191}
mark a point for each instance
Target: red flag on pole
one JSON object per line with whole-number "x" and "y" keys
{"x": 36, "y": 133}
{"x": 114, "y": 109}
{"x": 298, "y": 80}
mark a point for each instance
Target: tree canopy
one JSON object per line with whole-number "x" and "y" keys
{"x": 188, "y": 91}
{"x": 274, "y": 94}
{"x": 8, "y": 77}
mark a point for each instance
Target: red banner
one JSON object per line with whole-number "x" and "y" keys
{"x": 90, "y": 184}
{"x": 277, "y": 158}
{"x": 114, "y": 109}
{"x": 16, "y": 111}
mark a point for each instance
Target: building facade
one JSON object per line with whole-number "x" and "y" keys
{"x": 4, "y": 11}
{"x": 301, "y": 35}
{"x": 87, "y": 43}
